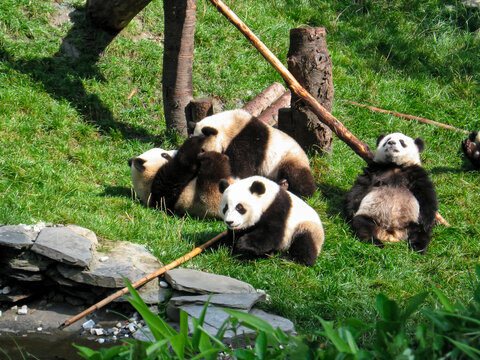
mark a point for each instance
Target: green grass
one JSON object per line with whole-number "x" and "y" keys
{"x": 68, "y": 126}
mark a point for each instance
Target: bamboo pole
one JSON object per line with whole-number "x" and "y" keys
{"x": 359, "y": 147}
{"x": 406, "y": 116}
{"x": 144, "y": 280}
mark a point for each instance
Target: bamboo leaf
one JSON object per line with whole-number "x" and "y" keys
{"x": 443, "y": 299}
{"x": 470, "y": 351}
{"x": 334, "y": 337}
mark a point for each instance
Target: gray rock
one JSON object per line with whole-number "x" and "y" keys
{"x": 200, "y": 282}
{"x": 89, "y": 234}
{"x": 276, "y": 321}
{"x": 16, "y": 236}
{"x": 234, "y": 301}
{"x": 151, "y": 293}
{"x": 28, "y": 261}
{"x": 124, "y": 259}
{"x": 64, "y": 245}
{"x": 15, "y": 294}
{"x": 214, "y": 316}
{"x": 54, "y": 275}
{"x": 24, "y": 275}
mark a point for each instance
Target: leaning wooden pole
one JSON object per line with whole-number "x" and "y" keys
{"x": 359, "y": 147}
{"x": 144, "y": 280}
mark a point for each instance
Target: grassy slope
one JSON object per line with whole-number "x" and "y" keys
{"x": 67, "y": 127}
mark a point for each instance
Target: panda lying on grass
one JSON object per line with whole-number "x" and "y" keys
{"x": 471, "y": 148}
{"x": 262, "y": 219}
{"x": 394, "y": 199}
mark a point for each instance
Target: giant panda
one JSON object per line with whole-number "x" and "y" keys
{"x": 255, "y": 148}
{"x": 143, "y": 169}
{"x": 185, "y": 181}
{"x": 471, "y": 148}
{"x": 394, "y": 199}
{"x": 262, "y": 218}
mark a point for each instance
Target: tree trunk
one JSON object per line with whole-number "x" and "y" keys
{"x": 180, "y": 19}
{"x": 114, "y": 15}
{"x": 310, "y": 63}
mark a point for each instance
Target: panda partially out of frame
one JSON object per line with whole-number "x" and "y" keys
{"x": 263, "y": 219}
{"x": 394, "y": 199}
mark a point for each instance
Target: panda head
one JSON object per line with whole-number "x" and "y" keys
{"x": 144, "y": 167}
{"x": 221, "y": 128}
{"x": 399, "y": 149}
{"x": 244, "y": 202}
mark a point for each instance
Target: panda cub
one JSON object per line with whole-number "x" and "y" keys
{"x": 143, "y": 169}
{"x": 255, "y": 148}
{"x": 185, "y": 181}
{"x": 394, "y": 199}
{"x": 471, "y": 148}
{"x": 262, "y": 218}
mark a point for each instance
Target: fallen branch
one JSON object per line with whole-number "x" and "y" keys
{"x": 359, "y": 147}
{"x": 406, "y": 116}
{"x": 270, "y": 114}
{"x": 144, "y": 280}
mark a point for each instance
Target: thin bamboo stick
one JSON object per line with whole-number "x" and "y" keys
{"x": 144, "y": 280}
{"x": 406, "y": 116}
{"x": 359, "y": 147}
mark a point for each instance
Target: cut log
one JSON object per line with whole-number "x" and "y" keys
{"x": 309, "y": 61}
{"x": 200, "y": 108}
{"x": 114, "y": 15}
{"x": 180, "y": 19}
{"x": 271, "y": 113}
{"x": 260, "y": 102}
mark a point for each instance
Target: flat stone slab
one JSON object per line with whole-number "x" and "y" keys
{"x": 234, "y": 301}
{"x": 122, "y": 259}
{"x": 64, "y": 245}
{"x": 16, "y": 236}
{"x": 199, "y": 282}
{"x": 27, "y": 261}
{"x": 151, "y": 293}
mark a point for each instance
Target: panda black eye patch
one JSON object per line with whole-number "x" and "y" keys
{"x": 240, "y": 209}
{"x": 403, "y": 143}
{"x": 225, "y": 208}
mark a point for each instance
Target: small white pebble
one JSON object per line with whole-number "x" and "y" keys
{"x": 23, "y": 310}
{"x": 101, "y": 340}
{"x": 163, "y": 284}
{"x": 39, "y": 328}
{"x": 103, "y": 259}
{"x": 6, "y": 290}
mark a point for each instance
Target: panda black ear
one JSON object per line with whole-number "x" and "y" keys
{"x": 167, "y": 156}
{"x": 208, "y": 131}
{"x": 258, "y": 188}
{"x": 473, "y": 135}
{"x": 380, "y": 137}
{"x": 223, "y": 185}
{"x": 420, "y": 144}
{"x": 137, "y": 163}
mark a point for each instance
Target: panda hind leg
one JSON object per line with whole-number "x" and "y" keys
{"x": 418, "y": 238}
{"x": 298, "y": 178}
{"x": 366, "y": 229}
{"x": 303, "y": 249}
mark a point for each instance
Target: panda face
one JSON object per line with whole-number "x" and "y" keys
{"x": 398, "y": 149}
{"x": 244, "y": 202}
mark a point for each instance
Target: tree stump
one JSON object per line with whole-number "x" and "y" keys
{"x": 114, "y": 15}
{"x": 180, "y": 19}
{"x": 310, "y": 63}
{"x": 199, "y": 109}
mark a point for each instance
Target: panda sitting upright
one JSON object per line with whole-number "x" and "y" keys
{"x": 394, "y": 199}
{"x": 262, "y": 219}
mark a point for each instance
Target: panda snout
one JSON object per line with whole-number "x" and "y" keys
{"x": 228, "y": 222}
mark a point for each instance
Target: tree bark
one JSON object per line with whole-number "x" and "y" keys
{"x": 270, "y": 114}
{"x": 180, "y": 19}
{"x": 310, "y": 63}
{"x": 199, "y": 109}
{"x": 114, "y": 15}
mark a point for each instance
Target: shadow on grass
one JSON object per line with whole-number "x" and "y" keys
{"x": 334, "y": 196}
{"x": 118, "y": 191}
{"x": 62, "y": 75}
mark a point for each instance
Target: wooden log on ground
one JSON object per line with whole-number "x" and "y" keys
{"x": 114, "y": 15}
{"x": 309, "y": 62}
{"x": 406, "y": 116}
{"x": 260, "y": 102}
{"x": 271, "y": 113}
{"x": 180, "y": 17}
